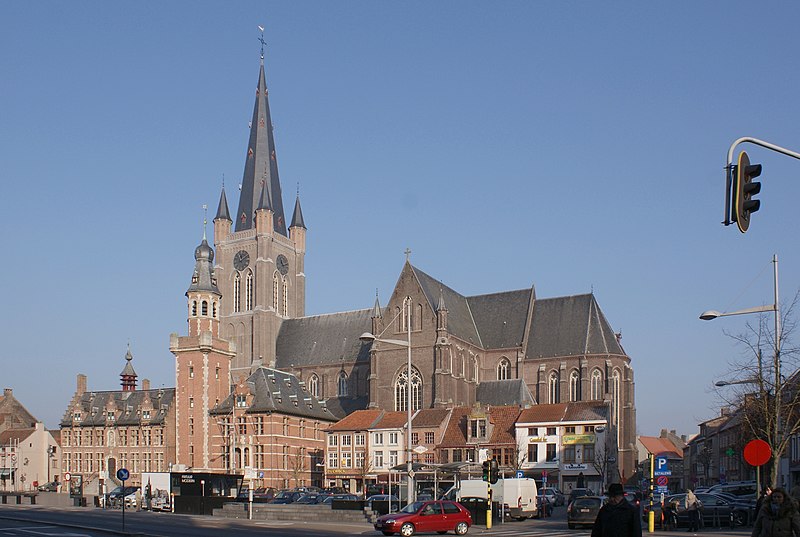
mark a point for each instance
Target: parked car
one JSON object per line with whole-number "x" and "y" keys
{"x": 380, "y": 503}
{"x": 715, "y": 510}
{"x": 430, "y": 516}
{"x": 346, "y": 497}
{"x": 310, "y": 498}
{"x": 116, "y": 496}
{"x": 52, "y": 486}
{"x": 577, "y": 493}
{"x": 739, "y": 488}
{"x": 555, "y": 496}
{"x": 583, "y": 511}
{"x": 287, "y": 496}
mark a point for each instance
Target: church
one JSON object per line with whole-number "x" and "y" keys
{"x": 247, "y": 315}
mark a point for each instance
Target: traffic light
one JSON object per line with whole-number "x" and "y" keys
{"x": 486, "y": 471}
{"x": 494, "y": 471}
{"x": 744, "y": 188}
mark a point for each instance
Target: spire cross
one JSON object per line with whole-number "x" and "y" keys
{"x": 408, "y": 254}
{"x": 261, "y": 39}
{"x": 205, "y": 220}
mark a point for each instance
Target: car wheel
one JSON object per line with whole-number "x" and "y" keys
{"x": 407, "y": 529}
{"x": 740, "y": 518}
{"x": 462, "y": 528}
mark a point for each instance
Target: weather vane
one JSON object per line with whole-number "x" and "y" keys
{"x": 261, "y": 39}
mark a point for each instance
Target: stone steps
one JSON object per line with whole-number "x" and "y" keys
{"x": 316, "y": 513}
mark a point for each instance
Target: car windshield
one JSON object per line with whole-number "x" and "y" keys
{"x": 412, "y": 507}
{"x": 587, "y": 502}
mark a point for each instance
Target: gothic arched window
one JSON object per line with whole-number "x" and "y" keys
{"x": 401, "y": 393}
{"x": 574, "y": 386}
{"x": 248, "y": 291}
{"x": 475, "y": 369}
{"x": 285, "y": 297}
{"x": 552, "y": 388}
{"x": 204, "y": 308}
{"x": 313, "y": 385}
{"x": 342, "y": 384}
{"x": 503, "y": 369}
{"x": 615, "y": 396}
{"x": 597, "y": 385}
{"x": 275, "y": 291}
{"x": 237, "y": 292}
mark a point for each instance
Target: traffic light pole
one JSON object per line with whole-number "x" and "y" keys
{"x": 729, "y": 167}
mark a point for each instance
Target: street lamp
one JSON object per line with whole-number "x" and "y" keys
{"x": 712, "y": 314}
{"x": 367, "y": 336}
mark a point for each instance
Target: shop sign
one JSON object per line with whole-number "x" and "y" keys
{"x": 538, "y": 439}
{"x": 575, "y": 466}
{"x": 568, "y": 439}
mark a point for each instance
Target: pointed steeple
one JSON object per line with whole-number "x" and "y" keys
{"x": 128, "y": 375}
{"x": 264, "y": 201}
{"x": 440, "y": 306}
{"x": 222, "y": 209}
{"x": 297, "y": 217}
{"x": 377, "y": 312}
{"x": 261, "y": 155}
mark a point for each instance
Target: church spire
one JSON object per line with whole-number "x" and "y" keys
{"x": 222, "y": 209}
{"x": 297, "y": 217}
{"x": 261, "y": 155}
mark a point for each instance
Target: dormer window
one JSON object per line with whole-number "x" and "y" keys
{"x": 110, "y": 416}
{"x": 477, "y": 428}
{"x": 241, "y": 401}
{"x": 76, "y": 416}
{"x": 145, "y": 414}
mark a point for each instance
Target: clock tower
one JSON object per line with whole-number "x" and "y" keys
{"x": 260, "y": 264}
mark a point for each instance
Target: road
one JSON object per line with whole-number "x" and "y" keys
{"x": 33, "y": 521}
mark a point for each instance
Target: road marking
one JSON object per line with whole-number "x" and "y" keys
{"x": 55, "y": 534}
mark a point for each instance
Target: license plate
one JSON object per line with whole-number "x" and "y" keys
{"x": 584, "y": 510}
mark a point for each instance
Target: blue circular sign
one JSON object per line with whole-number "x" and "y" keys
{"x": 123, "y": 474}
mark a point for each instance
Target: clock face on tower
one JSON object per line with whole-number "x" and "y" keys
{"x": 241, "y": 260}
{"x": 283, "y": 264}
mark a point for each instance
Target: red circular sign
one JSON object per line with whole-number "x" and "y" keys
{"x": 757, "y": 452}
{"x": 662, "y": 481}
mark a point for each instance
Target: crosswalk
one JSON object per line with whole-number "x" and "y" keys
{"x": 532, "y": 530}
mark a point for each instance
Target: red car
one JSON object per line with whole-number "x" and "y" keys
{"x": 438, "y": 516}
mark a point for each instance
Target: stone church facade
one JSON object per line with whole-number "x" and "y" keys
{"x": 563, "y": 348}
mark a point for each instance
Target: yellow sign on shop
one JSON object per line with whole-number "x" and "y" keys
{"x": 578, "y": 439}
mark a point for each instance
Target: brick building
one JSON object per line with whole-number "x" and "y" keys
{"x": 102, "y": 431}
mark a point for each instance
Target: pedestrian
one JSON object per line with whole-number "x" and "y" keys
{"x": 778, "y": 517}
{"x": 617, "y": 518}
{"x": 671, "y": 515}
{"x": 692, "y": 506}
{"x": 764, "y": 495}
{"x": 138, "y": 497}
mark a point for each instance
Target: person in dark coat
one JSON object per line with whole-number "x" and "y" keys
{"x": 778, "y": 517}
{"x": 617, "y": 518}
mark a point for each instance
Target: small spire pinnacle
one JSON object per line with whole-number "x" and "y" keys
{"x": 408, "y": 255}
{"x": 261, "y": 39}
{"x": 205, "y": 220}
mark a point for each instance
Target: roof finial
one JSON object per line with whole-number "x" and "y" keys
{"x": 298, "y": 189}
{"x": 408, "y": 254}
{"x": 205, "y": 220}
{"x": 223, "y": 181}
{"x": 262, "y": 41}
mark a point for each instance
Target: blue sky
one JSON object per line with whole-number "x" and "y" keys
{"x": 575, "y": 146}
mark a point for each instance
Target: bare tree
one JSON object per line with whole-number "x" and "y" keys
{"x": 768, "y": 401}
{"x": 298, "y": 465}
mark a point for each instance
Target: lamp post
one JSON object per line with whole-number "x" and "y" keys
{"x": 774, "y": 434}
{"x": 366, "y": 336}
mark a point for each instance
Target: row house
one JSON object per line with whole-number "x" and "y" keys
{"x": 480, "y": 432}
{"x": 270, "y": 429}
{"x": 103, "y": 431}
{"x": 670, "y": 446}
{"x": 28, "y": 458}
{"x": 568, "y": 444}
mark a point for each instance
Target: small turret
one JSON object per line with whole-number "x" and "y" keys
{"x": 297, "y": 230}
{"x": 222, "y": 222}
{"x": 128, "y": 375}
{"x": 264, "y": 213}
{"x": 203, "y": 294}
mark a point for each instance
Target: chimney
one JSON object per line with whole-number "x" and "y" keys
{"x": 724, "y": 411}
{"x": 81, "y": 388}
{"x": 663, "y": 433}
{"x": 673, "y": 433}
{"x": 8, "y": 392}
{"x": 145, "y": 384}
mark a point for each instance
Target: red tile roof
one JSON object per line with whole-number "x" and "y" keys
{"x": 17, "y": 435}
{"x": 576, "y": 411}
{"x": 392, "y": 420}
{"x": 657, "y": 445}
{"x": 502, "y": 419}
{"x": 430, "y": 417}
{"x": 360, "y": 420}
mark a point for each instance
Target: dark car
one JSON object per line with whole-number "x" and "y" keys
{"x": 577, "y": 493}
{"x": 583, "y": 511}
{"x": 715, "y": 510}
{"x": 346, "y": 497}
{"x": 52, "y": 486}
{"x": 311, "y": 498}
{"x": 287, "y": 496}
{"x": 439, "y": 516}
{"x": 379, "y": 503}
{"x": 554, "y": 495}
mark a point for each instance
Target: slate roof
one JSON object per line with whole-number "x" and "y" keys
{"x": 504, "y": 392}
{"x": 570, "y": 326}
{"x": 323, "y": 339}
{"x": 279, "y": 392}
{"x": 297, "y": 217}
{"x": 340, "y": 407}
{"x": 564, "y": 412}
{"x": 561, "y": 326}
{"x": 222, "y": 208}
{"x": 127, "y": 404}
{"x": 261, "y": 164}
